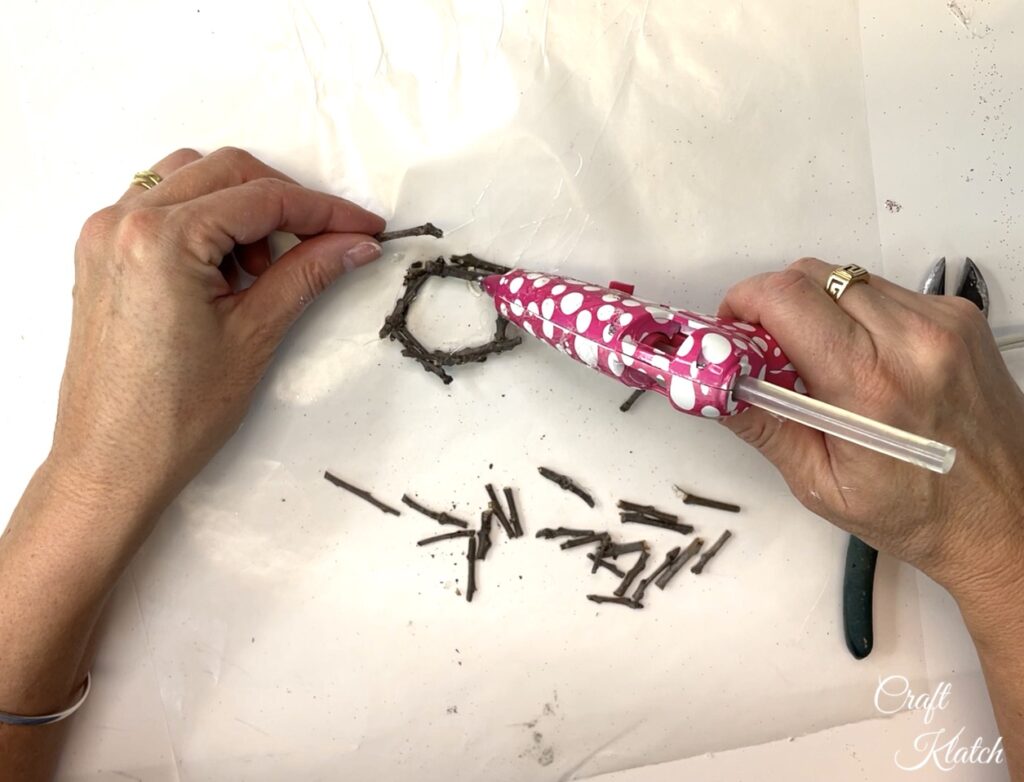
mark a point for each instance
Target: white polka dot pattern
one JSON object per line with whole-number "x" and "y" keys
{"x": 636, "y": 341}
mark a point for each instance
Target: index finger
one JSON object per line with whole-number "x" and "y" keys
{"x": 823, "y": 342}
{"x": 214, "y": 223}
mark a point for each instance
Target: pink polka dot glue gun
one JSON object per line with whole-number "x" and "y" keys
{"x": 704, "y": 365}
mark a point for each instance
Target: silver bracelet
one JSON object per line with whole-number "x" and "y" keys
{"x": 46, "y": 719}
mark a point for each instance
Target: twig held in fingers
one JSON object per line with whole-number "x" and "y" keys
{"x": 427, "y": 229}
{"x": 361, "y": 493}
{"x": 694, "y": 499}
{"x": 707, "y": 555}
{"x": 566, "y": 483}
{"x": 439, "y": 516}
{"x": 463, "y": 533}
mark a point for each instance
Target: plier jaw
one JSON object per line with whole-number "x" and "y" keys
{"x": 970, "y": 286}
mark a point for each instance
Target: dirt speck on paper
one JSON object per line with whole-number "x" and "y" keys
{"x": 893, "y": 206}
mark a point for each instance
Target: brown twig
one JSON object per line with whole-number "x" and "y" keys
{"x": 499, "y": 512}
{"x": 439, "y": 516}
{"x": 626, "y": 406}
{"x": 427, "y": 229}
{"x": 636, "y": 518}
{"x": 693, "y": 499}
{"x": 483, "y": 544}
{"x": 630, "y": 602}
{"x": 665, "y": 565}
{"x": 632, "y": 573}
{"x": 679, "y": 562}
{"x": 707, "y": 555}
{"x": 563, "y": 532}
{"x": 462, "y": 533}
{"x": 567, "y": 483}
{"x": 598, "y": 562}
{"x": 471, "y": 578}
{"x": 585, "y": 540}
{"x": 600, "y": 553}
{"x": 361, "y": 493}
{"x": 614, "y": 550}
{"x": 513, "y": 512}
{"x": 647, "y": 510}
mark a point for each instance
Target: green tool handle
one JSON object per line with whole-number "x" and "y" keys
{"x": 858, "y": 593}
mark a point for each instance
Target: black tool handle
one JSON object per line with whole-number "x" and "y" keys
{"x": 858, "y": 591}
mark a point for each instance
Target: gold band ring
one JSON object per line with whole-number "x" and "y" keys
{"x": 147, "y": 179}
{"x": 842, "y": 277}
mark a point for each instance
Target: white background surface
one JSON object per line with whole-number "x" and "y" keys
{"x": 274, "y": 627}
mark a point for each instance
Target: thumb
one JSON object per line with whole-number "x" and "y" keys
{"x": 284, "y": 290}
{"x": 799, "y": 453}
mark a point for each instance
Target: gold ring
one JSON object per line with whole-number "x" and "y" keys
{"x": 147, "y": 179}
{"x": 842, "y": 277}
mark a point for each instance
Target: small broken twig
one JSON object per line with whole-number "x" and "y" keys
{"x": 631, "y": 602}
{"x": 631, "y": 574}
{"x": 638, "y": 518}
{"x": 499, "y": 512}
{"x": 707, "y": 555}
{"x": 563, "y": 532}
{"x": 483, "y": 544}
{"x": 361, "y": 493}
{"x": 471, "y": 578}
{"x": 641, "y": 588}
{"x": 513, "y": 512}
{"x": 566, "y": 483}
{"x": 439, "y": 516}
{"x": 679, "y": 562}
{"x": 462, "y": 533}
{"x": 598, "y": 562}
{"x": 585, "y": 540}
{"x": 427, "y": 229}
{"x": 693, "y": 499}
{"x": 626, "y": 406}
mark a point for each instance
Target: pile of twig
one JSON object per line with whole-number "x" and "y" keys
{"x": 607, "y": 548}
{"x": 606, "y": 551}
{"x": 479, "y": 540}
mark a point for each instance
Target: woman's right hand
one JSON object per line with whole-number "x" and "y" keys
{"x": 927, "y": 364}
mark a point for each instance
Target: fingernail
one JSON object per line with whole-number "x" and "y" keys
{"x": 360, "y": 255}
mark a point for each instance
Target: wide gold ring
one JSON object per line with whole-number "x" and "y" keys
{"x": 842, "y": 277}
{"x": 147, "y": 179}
